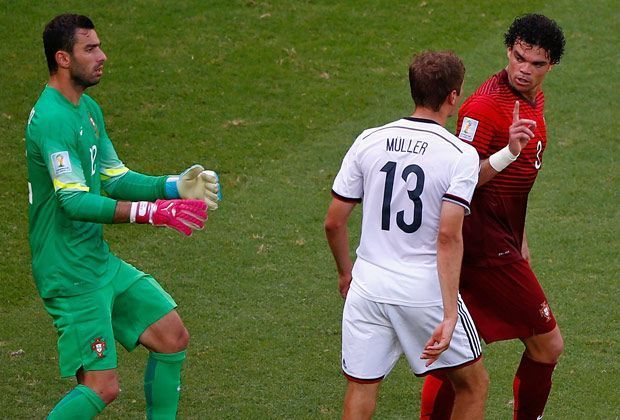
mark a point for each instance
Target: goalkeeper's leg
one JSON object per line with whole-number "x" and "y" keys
{"x": 167, "y": 340}
{"x": 144, "y": 314}
{"x": 95, "y": 390}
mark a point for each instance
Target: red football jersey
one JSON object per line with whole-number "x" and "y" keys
{"x": 493, "y": 233}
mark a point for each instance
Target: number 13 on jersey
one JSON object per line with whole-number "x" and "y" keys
{"x": 390, "y": 169}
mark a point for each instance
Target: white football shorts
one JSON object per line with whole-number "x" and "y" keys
{"x": 375, "y": 335}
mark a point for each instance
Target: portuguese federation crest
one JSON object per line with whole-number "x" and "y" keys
{"x": 99, "y": 346}
{"x": 92, "y": 122}
{"x": 544, "y": 311}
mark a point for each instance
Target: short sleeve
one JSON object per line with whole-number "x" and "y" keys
{"x": 477, "y": 123}
{"x": 349, "y": 182}
{"x": 464, "y": 179}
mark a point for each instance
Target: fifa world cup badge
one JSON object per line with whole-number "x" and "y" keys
{"x": 545, "y": 312}
{"x": 99, "y": 347}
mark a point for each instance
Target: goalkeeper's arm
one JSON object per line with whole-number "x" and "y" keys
{"x": 182, "y": 215}
{"x": 193, "y": 183}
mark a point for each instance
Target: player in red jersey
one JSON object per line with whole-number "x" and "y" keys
{"x": 504, "y": 121}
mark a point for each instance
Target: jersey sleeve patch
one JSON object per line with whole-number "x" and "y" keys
{"x": 61, "y": 163}
{"x": 468, "y": 129}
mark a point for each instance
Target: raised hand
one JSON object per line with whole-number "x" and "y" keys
{"x": 520, "y": 131}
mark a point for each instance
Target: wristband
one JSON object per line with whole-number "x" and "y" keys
{"x": 501, "y": 159}
{"x": 140, "y": 212}
{"x": 172, "y": 188}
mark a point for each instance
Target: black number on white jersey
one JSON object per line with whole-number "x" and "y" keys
{"x": 414, "y": 195}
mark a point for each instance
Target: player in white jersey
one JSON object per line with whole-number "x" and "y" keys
{"x": 415, "y": 181}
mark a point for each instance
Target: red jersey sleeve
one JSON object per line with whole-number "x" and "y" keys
{"x": 477, "y": 123}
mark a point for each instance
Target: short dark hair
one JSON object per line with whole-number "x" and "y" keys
{"x": 540, "y": 31}
{"x": 433, "y": 75}
{"x": 59, "y": 35}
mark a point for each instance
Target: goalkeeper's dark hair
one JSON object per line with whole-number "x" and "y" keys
{"x": 540, "y": 31}
{"x": 59, "y": 35}
{"x": 433, "y": 75}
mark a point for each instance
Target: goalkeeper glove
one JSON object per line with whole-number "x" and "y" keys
{"x": 182, "y": 215}
{"x": 195, "y": 183}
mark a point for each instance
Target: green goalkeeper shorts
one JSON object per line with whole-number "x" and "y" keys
{"x": 89, "y": 324}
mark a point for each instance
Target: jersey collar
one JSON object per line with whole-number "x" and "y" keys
{"x": 421, "y": 120}
{"x": 64, "y": 101}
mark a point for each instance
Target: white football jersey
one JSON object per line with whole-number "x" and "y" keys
{"x": 402, "y": 172}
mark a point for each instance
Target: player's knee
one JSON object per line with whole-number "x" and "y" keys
{"x": 178, "y": 340}
{"x": 475, "y": 382}
{"x": 183, "y": 339}
{"x": 546, "y": 348}
{"x": 556, "y": 347}
{"x": 108, "y": 391}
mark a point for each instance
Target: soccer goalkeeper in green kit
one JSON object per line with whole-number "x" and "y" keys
{"x": 94, "y": 297}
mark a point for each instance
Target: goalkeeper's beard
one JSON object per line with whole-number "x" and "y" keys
{"x": 79, "y": 78}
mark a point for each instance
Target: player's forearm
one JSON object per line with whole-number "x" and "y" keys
{"x": 122, "y": 212}
{"x": 87, "y": 207}
{"x": 338, "y": 240}
{"x": 496, "y": 163}
{"x": 134, "y": 186}
{"x": 449, "y": 257}
{"x": 486, "y": 173}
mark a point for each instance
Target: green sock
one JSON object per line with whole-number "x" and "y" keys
{"x": 80, "y": 403}
{"x": 162, "y": 385}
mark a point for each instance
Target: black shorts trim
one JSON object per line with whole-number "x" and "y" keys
{"x": 362, "y": 381}
{"x": 447, "y": 368}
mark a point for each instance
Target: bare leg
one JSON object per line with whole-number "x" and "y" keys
{"x": 360, "y": 401}
{"x": 471, "y": 384}
{"x": 545, "y": 348}
{"x": 103, "y": 382}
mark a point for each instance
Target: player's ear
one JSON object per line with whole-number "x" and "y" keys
{"x": 453, "y": 97}
{"x": 508, "y": 51}
{"x": 63, "y": 59}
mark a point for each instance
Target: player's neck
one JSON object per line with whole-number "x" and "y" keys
{"x": 428, "y": 114}
{"x": 66, "y": 87}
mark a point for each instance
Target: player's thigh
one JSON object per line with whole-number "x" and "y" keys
{"x": 138, "y": 307}
{"x": 85, "y": 332}
{"x": 415, "y": 325}
{"x": 507, "y": 301}
{"x": 370, "y": 348}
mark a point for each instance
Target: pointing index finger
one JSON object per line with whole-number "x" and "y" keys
{"x": 515, "y": 112}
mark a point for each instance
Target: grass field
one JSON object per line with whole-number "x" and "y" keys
{"x": 271, "y": 95}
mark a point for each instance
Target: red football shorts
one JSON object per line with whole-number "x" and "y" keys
{"x": 506, "y": 301}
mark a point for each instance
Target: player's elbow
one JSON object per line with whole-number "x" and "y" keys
{"x": 70, "y": 203}
{"x": 449, "y": 237}
{"x": 333, "y": 224}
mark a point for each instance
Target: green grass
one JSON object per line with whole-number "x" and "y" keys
{"x": 271, "y": 94}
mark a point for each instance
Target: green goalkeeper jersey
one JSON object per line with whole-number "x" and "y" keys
{"x": 70, "y": 160}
